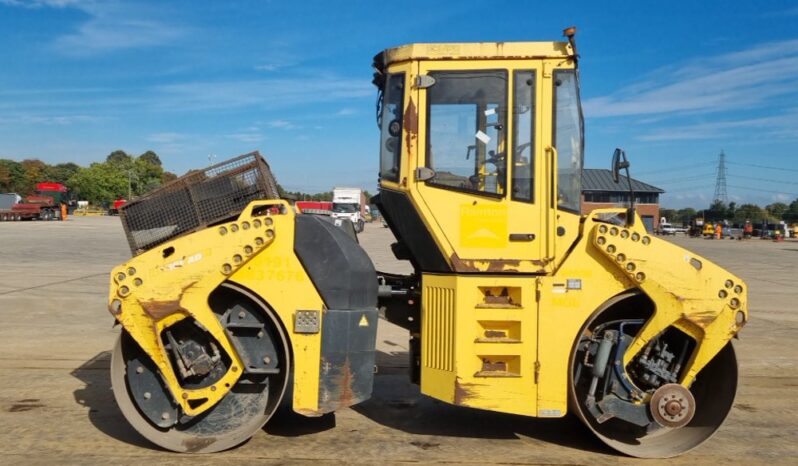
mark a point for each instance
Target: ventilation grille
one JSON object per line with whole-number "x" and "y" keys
{"x": 437, "y": 344}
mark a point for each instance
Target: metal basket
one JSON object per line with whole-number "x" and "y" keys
{"x": 196, "y": 200}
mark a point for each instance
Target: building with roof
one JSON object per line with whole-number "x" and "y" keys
{"x": 599, "y": 191}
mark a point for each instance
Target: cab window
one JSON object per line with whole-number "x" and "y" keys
{"x": 523, "y": 135}
{"x": 391, "y": 127}
{"x": 568, "y": 139}
{"x": 467, "y": 130}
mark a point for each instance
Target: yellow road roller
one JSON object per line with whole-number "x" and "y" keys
{"x": 519, "y": 302}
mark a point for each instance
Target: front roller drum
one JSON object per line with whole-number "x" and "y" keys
{"x": 674, "y": 420}
{"x": 149, "y": 407}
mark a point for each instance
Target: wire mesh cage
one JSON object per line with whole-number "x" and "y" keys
{"x": 196, "y": 200}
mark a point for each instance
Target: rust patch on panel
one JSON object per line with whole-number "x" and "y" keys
{"x": 346, "y": 397}
{"x": 336, "y": 392}
{"x": 462, "y": 392}
{"x": 494, "y": 265}
{"x": 498, "y": 366}
{"x": 460, "y": 265}
{"x": 701, "y": 319}
{"x": 490, "y": 299}
{"x": 158, "y": 309}
{"x": 410, "y": 124}
{"x": 677, "y": 297}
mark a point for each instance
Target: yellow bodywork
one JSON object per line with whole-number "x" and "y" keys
{"x": 497, "y": 333}
{"x": 503, "y": 342}
{"x": 171, "y": 282}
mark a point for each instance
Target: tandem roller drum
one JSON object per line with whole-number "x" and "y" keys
{"x": 149, "y": 407}
{"x": 639, "y": 410}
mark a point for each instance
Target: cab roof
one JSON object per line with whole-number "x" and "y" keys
{"x": 478, "y": 51}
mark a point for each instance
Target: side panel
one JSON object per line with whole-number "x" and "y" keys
{"x": 318, "y": 269}
{"x": 581, "y": 285}
{"x": 406, "y": 223}
{"x": 478, "y": 345}
{"x": 348, "y": 340}
{"x": 339, "y": 268}
{"x": 279, "y": 278}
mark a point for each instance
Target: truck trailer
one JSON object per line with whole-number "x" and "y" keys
{"x": 45, "y": 204}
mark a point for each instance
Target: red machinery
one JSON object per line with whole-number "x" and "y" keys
{"x": 44, "y": 205}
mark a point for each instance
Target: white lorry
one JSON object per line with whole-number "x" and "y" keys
{"x": 350, "y": 204}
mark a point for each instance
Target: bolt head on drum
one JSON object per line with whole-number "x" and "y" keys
{"x": 672, "y": 406}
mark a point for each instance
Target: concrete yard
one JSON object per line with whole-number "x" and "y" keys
{"x": 56, "y": 404}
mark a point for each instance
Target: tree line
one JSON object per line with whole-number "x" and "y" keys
{"x": 121, "y": 176}
{"x": 719, "y": 211}
{"x": 300, "y": 196}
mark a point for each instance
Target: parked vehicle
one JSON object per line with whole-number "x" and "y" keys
{"x": 44, "y": 205}
{"x": 114, "y": 210}
{"x": 314, "y": 207}
{"x": 350, "y": 204}
{"x": 668, "y": 229}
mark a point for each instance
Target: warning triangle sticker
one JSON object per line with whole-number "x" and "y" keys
{"x": 363, "y": 321}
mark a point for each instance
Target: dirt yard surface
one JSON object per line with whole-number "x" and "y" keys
{"x": 56, "y": 405}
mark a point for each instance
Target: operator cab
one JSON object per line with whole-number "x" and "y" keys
{"x": 472, "y": 136}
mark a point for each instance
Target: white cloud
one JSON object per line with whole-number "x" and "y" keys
{"x": 166, "y": 138}
{"x": 40, "y": 3}
{"x": 782, "y": 126}
{"x": 346, "y": 111}
{"x": 282, "y": 124}
{"x": 246, "y": 136}
{"x": 56, "y": 120}
{"x": 112, "y": 25}
{"x": 104, "y": 34}
{"x": 267, "y": 67}
{"x": 736, "y": 80}
{"x": 267, "y": 93}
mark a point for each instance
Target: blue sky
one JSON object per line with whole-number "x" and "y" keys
{"x": 673, "y": 83}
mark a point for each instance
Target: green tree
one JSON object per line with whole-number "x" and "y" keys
{"x": 119, "y": 158}
{"x": 685, "y": 216}
{"x": 62, "y": 172}
{"x": 11, "y": 174}
{"x": 99, "y": 183}
{"x": 35, "y": 171}
{"x": 791, "y": 215}
{"x": 777, "y": 210}
{"x": 147, "y": 175}
{"x": 751, "y": 212}
{"x": 151, "y": 158}
{"x": 168, "y": 177}
{"x": 717, "y": 211}
{"x": 669, "y": 214}
{"x": 731, "y": 210}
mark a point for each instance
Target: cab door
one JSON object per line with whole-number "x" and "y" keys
{"x": 478, "y": 171}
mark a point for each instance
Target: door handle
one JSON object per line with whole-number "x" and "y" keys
{"x": 522, "y": 237}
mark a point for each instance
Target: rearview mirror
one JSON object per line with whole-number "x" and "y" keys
{"x": 618, "y": 162}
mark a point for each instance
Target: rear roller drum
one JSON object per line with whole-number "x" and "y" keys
{"x": 260, "y": 342}
{"x": 640, "y": 410}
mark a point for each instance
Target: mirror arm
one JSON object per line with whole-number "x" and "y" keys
{"x": 630, "y": 214}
